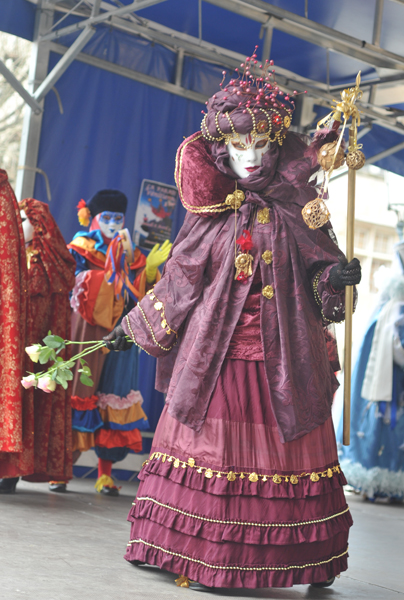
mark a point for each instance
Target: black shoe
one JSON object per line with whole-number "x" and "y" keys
{"x": 60, "y": 488}
{"x": 7, "y": 486}
{"x": 199, "y": 587}
{"x": 324, "y": 584}
{"x": 109, "y": 491}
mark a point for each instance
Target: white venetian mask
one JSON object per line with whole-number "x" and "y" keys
{"x": 246, "y": 154}
{"x": 27, "y": 227}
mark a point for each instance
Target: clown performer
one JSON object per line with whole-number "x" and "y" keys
{"x": 107, "y": 416}
{"x": 50, "y": 279}
{"x": 243, "y": 488}
{"x": 374, "y": 462}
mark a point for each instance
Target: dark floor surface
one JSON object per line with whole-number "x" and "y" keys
{"x": 70, "y": 547}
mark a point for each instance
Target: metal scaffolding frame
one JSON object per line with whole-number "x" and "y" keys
{"x": 125, "y": 18}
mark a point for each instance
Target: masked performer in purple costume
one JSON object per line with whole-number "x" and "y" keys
{"x": 243, "y": 486}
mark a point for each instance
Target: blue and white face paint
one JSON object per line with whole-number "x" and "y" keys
{"x": 110, "y": 222}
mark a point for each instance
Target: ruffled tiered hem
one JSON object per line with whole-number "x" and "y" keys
{"x": 231, "y": 506}
{"x": 226, "y": 575}
{"x": 236, "y": 528}
{"x": 299, "y": 484}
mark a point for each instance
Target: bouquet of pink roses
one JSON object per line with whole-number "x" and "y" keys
{"x": 61, "y": 370}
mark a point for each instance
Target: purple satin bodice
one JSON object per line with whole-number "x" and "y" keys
{"x": 246, "y": 343}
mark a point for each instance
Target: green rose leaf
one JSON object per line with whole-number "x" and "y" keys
{"x": 85, "y": 380}
{"x": 54, "y": 341}
{"x": 45, "y": 355}
{"x": 62, "y": 381}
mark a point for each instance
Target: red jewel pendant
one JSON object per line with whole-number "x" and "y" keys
{"x": 243, "y": 262}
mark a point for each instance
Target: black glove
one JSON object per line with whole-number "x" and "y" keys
{"x": 345, "y": 273}
{"x": 117, "y": 340}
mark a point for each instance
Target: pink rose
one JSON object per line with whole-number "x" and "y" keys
{"x": 28, "y": 382}
{"x": 46, "y": 384}
{"x": 34, "y": 352}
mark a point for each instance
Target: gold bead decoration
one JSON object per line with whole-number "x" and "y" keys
{"x": 176, "y": 463}
{"x": 287, "y": 121}
{"x": 242, "y": 476}
{"x": 208, "y": 473}
{"x": 277, "y": 479}
{"x": 315, "y": 213}
{"x": 263, "y": 216}
{"x": 235, "y": 199}
{"x": 355, "y": 160}
{"x": 314, "y": 477}
{"x": 268, "y": 292}
{"x": 253, "y": 477}
{"x": 329, "y": 473}
{"x": 231, "y": 476}
{"x": 267, "y": 257}
{"x": 158, "y": 305}
{"x": 294, "y": 479}
{"x": 191, "y": 462}
{"x": 325, "y": 156}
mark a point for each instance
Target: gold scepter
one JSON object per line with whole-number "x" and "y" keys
{"x": 355, "y": 160}
{"x": 316, "y": 214}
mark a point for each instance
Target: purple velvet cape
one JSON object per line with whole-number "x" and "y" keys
{"x": 203, "y": 302}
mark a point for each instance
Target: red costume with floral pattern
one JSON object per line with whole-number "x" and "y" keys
{"x": 16, "y": 404}
{"x": 50, "y": 279}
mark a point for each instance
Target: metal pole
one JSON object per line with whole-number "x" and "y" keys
{"x": 349, "y": 300}
{"x": 64, "y": 63}
{"x": 31, "y": 131}
{"x": 19, "y": 88}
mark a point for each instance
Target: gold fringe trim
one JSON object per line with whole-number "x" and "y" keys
{"x": 214, "y": 208}
{"x": 237, "y": 568}
{"x": 244, "y": 523}
{"x": 232, "y": 475}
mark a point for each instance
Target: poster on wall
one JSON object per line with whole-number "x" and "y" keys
{"x": 153, "y": 221}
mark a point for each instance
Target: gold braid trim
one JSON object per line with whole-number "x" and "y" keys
{"x": 244, "y": 523}
{"x": 316, "y": 281}
{"x": 237, "y": 567}
{"x": 317, "y": 298}
{"x": 214, "y": 208}
{"x": 132, "y": 335}
{"x": 152, "y": 332}
{"x": 232, "y": 475}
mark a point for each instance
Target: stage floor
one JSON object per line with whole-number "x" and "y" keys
{"x": 70, "y": 547}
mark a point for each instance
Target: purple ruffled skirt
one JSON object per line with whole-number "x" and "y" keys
{"x": 231, "y": 506}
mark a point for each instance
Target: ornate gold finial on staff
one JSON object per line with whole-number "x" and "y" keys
{"x": 316, "y": 214}
{"x": 331, "y": 155}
